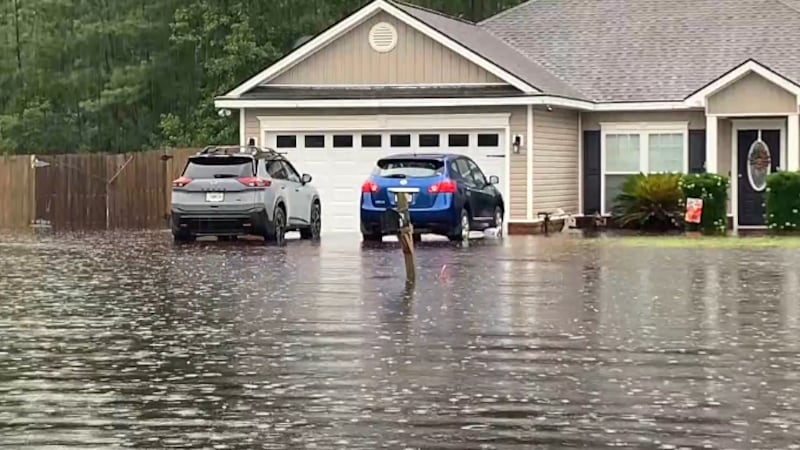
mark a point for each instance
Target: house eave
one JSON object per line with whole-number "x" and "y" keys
{"x": 524, "y": 100}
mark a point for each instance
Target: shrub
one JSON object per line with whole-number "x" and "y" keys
{"x": 650, "y": 202}
{"x": 783, "y": 201}
{"x": 713, "y": 190}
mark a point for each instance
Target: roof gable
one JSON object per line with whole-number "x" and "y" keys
{"x": 416, "y": 59}
{"x": 352, "y": 21}
{"x": 751, "y": 72}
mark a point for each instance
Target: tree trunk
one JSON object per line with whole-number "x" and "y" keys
{"x": 17, "y": 32}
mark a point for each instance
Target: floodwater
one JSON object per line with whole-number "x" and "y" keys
{"x": 113, "y": 341}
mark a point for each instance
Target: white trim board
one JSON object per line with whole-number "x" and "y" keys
{"x": 700, "y": 97}
{"x": 387, "y": 122}
{"x": 529, "y": 162}
{"x": 535, "y": 100}
{"x": 355, "y": 19}
{"x": 383, "y": 85}
{"x": 744, "y": 124}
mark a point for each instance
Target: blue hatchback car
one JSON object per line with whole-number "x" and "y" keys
{"x": 450, "y": 196}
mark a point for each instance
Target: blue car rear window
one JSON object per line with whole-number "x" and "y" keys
{"x": 409, "y": 168}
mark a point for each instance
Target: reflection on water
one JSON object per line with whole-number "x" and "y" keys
{"x": 114, "y": 341}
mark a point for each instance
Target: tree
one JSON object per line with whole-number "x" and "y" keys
{"x": 107, "y": 75}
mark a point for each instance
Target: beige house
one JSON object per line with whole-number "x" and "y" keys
{"x": 561, "y": 99}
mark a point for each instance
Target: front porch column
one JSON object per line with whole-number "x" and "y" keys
{"x": 712, "y": 136}
{"x": 793, "y": 142}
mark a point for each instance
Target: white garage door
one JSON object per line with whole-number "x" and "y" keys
{"x": 340, "y": 161}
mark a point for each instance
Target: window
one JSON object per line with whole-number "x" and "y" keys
{"x": 371, "y": 140}
{"x": 315, "y": 141}
{"x": 233, "y": 167}
{"x": 463, "y": 169}
{"x": 428, "y": 140}
{"x": 458, "y": 140}
{"x": 629, "y": 149}
{"x": 400, "y": 140}
{"x": 409, "y": 168}
{"x": 455, "y": 171}
{"x": 291, "y": 174}
{"x": 665, "y": 152}
{"x": 276, "y": 170}
{"x": 342, "y": 140}
{"x": 488, "y": 140}
{"x": 477, "y": 174}
{"x": 286, "y": 141}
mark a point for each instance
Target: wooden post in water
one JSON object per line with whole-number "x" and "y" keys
{"x": 406, "y": 237}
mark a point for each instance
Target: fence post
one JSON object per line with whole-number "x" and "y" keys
{"x": 406, "y": 237}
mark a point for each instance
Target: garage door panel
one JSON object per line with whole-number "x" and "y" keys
{"x": 338, "y": 173}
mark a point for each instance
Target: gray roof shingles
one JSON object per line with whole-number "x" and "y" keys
{"x": 492, "y": 49}
{"x": 651, "y": 50}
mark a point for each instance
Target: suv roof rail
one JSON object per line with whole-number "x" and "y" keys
{"x": 251, "y": 150}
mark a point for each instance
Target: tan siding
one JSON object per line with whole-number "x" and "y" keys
{"x": 696, "y": 119}
{"x": 516, "y": 204}
{"x": 750, "y": 95}
{"x": 416, "y": 59}
{"x": 555, "y": 161}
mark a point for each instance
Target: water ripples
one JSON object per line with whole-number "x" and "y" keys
{"x": 112, "y": 341}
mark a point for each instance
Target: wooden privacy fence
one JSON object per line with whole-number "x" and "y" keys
{"x": 89, "y": 191}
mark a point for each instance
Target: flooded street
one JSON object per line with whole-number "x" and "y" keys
{"x": 113, "y": 341}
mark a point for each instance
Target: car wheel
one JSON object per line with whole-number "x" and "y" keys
{"x": 315, "y": 228}
{"x": 497, "y": 222}
{"x": 461, "y": 231}
{"x": 277, "y": 234}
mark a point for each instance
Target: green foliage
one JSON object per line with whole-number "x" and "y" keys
{"x": 128, "y": 75}
{"x": 650, "y": 202}
{"x": 713, "y": 190}
{"x": 783, "y": 201}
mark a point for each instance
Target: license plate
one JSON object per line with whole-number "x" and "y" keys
{"x": 411, "y": 197}
{"x": 215, "y": 197}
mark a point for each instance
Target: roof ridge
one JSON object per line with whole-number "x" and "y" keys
{"x": 504, "y": 12}
{"x": 433, "y": 11}
{"x": 794, "y": 6}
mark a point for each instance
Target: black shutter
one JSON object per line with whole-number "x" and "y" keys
{"x": 697, "y": 151}
{"x": 591, "y": 172}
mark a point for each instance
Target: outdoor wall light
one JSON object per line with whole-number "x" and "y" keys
{"x": 516, "y": 145}
{"x": 224, "y": 112}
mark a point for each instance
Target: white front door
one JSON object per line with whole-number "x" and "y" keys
{"x": 340, "y": 161}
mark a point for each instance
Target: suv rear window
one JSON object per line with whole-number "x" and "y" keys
{"x": 222, "y": 167}
{"x": 409, "y": 168}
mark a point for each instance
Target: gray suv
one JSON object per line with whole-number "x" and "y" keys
{"x": 231, "y": 191}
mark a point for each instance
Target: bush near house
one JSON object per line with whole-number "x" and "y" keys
{"x": 783, "y": 202}
{"x": 650, "y": 202}
{"x": 713, "y": 190}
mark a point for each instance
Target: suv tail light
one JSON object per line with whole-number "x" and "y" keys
{"x": 446, "y": 186}
{"x": 369, "y": 187}
{"x": 255, "y": 182}
{"x": 181, "y": 182}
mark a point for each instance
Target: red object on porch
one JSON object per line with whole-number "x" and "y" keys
{"x": 694, "y": 210}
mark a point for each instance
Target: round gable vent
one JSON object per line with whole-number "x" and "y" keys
{"x": 383, "y": 37}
